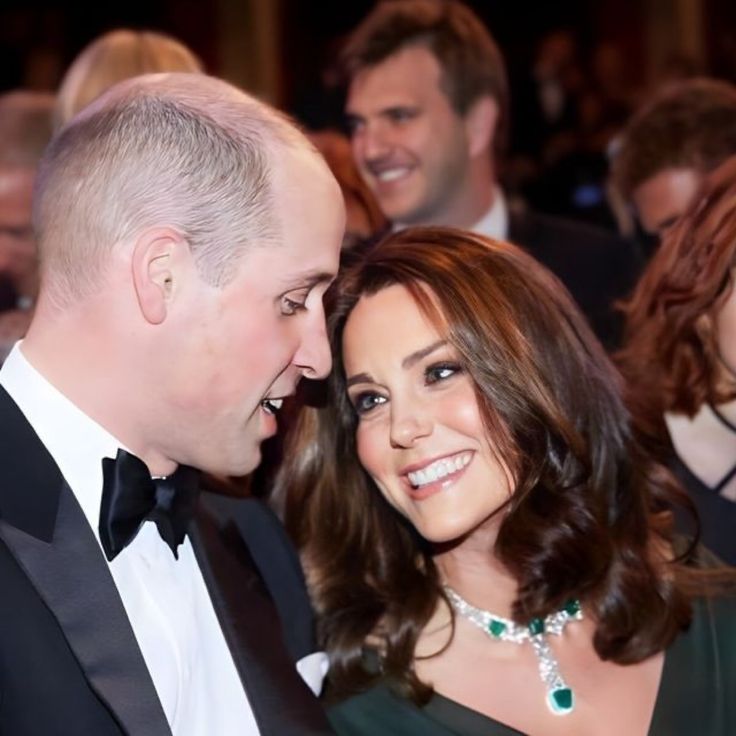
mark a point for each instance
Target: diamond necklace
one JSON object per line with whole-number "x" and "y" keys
{"x": 560, "y": 698}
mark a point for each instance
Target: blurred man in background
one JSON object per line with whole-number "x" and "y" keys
{"x": 427, "y": 105}
{"x": 670, "y": 145}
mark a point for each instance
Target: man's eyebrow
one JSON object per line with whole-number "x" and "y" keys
{"x": 310, "y": 279}
{"x": 399, "y": 107}
{"x": 408, "y": 362}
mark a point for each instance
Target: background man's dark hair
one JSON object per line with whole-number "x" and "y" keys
{"x": 471, "y": 63}
{"x": 690, "y": 125}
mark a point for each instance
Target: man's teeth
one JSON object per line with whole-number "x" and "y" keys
{"x": 439, "y": 469}
{"x": 272, "y": 405}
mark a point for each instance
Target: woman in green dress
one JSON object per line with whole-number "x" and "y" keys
{"x": 489, "y": 548}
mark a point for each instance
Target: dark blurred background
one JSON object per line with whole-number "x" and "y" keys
{"x": 608, "y": 55}
{"x": 280, "y": 48}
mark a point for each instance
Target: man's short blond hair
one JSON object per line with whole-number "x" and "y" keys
{"x": 184, "y": 151}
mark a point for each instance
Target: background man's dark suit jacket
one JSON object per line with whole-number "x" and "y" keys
{"x": 69, "y": 661}
{"x": 596, "y": 267}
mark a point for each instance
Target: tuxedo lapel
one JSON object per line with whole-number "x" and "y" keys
{"x": 281, "y": 701}
{"x": 46, "y": 531}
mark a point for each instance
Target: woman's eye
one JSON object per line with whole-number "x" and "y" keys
{"x": 440, "y": 372}
{"x": 366, "y": 401}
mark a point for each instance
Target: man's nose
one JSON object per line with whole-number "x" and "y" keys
{"x": 372, "y": 142}
{"x": 313, "y": 358}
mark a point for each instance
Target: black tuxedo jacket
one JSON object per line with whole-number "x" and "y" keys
{"x": 597, "y": 268}
{"x": 69, "y": 661}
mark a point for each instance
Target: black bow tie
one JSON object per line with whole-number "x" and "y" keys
{"x": 130, "y": 496}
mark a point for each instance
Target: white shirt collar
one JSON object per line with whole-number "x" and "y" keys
{"x": 495, "y": 222}
{"x": 75, "y": 441}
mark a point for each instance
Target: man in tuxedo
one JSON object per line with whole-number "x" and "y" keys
{"x": 187, "y": 234}
{"x": 669, "y": 145}
{"x": 427, "y": 105}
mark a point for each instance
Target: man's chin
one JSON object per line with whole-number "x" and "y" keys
{"x": 237, "y": 467}
{"x": 249, "y": 463}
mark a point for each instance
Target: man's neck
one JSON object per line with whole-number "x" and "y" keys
{"x": 479, "y": 195}
{"x": 471, "y": 202}
{"x": 462, "y": 213}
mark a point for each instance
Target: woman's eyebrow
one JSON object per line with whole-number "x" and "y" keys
{"x": 408, "y": 362}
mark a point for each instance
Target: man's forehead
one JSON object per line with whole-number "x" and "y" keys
{"x": 663, "y": 197}
{"x": 409, "y": 73}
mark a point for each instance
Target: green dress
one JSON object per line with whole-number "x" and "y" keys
{"x": 697, "y": 692}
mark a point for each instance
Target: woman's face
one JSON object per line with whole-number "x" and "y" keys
{"x": 420, "y": 433}
{"x": 725, "y": 324}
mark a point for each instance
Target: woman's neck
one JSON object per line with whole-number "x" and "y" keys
{"x": 473, "y": 571}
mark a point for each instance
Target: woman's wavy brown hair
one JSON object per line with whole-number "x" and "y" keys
{"x": 588, "y": 508}
{"x": 670, "y": 356}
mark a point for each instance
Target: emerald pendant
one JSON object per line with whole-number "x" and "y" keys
{"x": 559, "y": 697}
{"x": 561, "y": 701}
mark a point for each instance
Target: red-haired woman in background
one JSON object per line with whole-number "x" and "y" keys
{"x": 679, "y": 354}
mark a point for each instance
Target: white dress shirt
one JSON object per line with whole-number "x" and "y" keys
{"x": 166, "y": 599}
{"x": 495, "y": 223}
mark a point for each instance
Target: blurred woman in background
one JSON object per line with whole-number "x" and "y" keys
{"x": 679, "y": 354}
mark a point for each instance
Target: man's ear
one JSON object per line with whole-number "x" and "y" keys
{"x": 481, "y": 121}
{"x": 160, "y": 256}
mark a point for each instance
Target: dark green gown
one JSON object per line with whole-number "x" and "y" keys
{"x": 697, "y": 692}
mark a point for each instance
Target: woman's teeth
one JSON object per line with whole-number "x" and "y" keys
{"x": 439, "y": 469}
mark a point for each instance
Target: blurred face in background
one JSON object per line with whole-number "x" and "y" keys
{"x": 663, "y": 198}
{"x": 410, "y": 145}
{"x": 17, "y": 246}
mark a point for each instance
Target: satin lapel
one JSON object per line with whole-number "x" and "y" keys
{"x": 46, "y": 531}
{"x": 281, "y": 701}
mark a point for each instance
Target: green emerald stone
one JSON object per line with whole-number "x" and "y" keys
{"x": 496, "y": 627}
{"x": 560, "y": 700}
{"x": 572, "y": 607}
{"x": 536, "y": 626}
